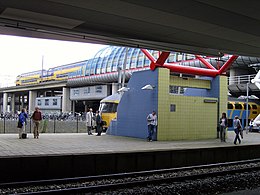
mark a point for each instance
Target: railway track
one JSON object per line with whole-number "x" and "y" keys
{"x": 113, "y": 182}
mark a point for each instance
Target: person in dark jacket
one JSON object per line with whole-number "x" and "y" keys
{"x": 22, "y": 122}
{"x": 98, "y": 123}
{"x": 237, "y": 128}
{"x": 223, "y": 122}
{"x": 36, "y": 117}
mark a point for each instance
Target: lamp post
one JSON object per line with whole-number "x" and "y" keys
{"x": 247, "y": 93}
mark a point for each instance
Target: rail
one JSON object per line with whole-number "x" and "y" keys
{"x": 243, "y": 79}
{"x": 124, "y": 181}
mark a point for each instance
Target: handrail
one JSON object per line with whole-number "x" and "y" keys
{"x": 242, "y": 79}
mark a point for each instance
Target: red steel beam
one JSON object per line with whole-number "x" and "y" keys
{"x": 187, "y": 69}
{"x": 190, "y": 70}
{"x": 162, "y": 58}
{"x": 205, "y": 62}
{"x": 227, "y": 64}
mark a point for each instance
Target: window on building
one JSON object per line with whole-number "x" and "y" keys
{"x": 39, "y": 102}
{"x": 47, "y": 102}
{"x": 99, "y": 89}
{"x": 177, "y": 90}
{"x": 86, "y": 90}
{"x": 75, "y": 92}
{"x": 55, "y": 102}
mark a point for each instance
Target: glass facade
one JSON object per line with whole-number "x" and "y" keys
{"x": 109, "y": 59}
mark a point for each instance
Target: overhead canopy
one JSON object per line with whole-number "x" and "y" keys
{"x": 192, "y": 26}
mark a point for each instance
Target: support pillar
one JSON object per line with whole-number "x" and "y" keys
{"x": 114, "y": 88}
{"x": 32, "y": 101}
{"x": 5, "y": 101}
{"x": 66, "y": 103}
{"x": 73, "y": 107}
{"x": 22, "y": 103}
{"x": 13, "y": 104}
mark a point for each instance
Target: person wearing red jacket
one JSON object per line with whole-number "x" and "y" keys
{"x": 36, "y": 117}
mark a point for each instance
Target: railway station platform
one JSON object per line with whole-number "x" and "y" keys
{"x": 79, "y": 154}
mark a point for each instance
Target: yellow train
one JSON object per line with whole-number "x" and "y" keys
{"x": 29, "y": 78}
{"x": 52, "y": 74}
{"x": 236, "y": 108}
{"x": 108, "y": 108}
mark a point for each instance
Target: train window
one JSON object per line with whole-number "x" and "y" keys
{"x": 254, "y": 112}
{"x": 230, "y": 106}
{"x": 238, "y": 106}
{"x": 254, "y": 106}
{"x": 249, "y": 107}
{"x": 107, "y": 107}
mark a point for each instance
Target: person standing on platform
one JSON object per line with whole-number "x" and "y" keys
{"x": 98, "y": 123}
{"x": 89, "y": 121}
{"x": 237, "y": 127}
{"x": 22, "y": 122}
{"x": 36, "y": 117}
{"x": 251, "y": 124}
{"x": 223, "y": 125}
{"x": 151, "y": 123}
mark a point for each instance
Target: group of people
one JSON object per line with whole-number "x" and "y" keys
{"x": 238, "y": 129}
{"x": 22, "y": 120}
{"x": 93, "y": 121}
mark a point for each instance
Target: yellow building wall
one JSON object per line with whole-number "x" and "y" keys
{"x": 223, "y": 97}
{"x": 193, "y": 119}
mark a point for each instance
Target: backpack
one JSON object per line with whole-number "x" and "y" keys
{"x": 21, "y": 117}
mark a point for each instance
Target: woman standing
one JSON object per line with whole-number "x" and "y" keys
{"x": 223, "y": 125}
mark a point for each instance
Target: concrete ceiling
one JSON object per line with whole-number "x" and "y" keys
{"x": 194, "y": 26}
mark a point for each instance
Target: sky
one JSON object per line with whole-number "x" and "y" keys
{"x": 21, "y": 54}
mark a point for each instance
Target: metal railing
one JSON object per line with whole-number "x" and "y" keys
{"x": 243, "y": 79}
{"x": 52, "y": 124}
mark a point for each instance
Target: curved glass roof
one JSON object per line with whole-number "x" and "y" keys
{"x": 112, "y": 58}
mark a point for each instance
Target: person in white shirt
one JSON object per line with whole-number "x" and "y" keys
{"x": 237, "y": 129}
{"x": 89, "y": 121}
{"x": 223, "y": 121}
{"x": 152, "y": 124}
{"x": 251, "y": 123}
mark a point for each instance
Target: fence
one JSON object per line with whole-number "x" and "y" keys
{"x": 48, "y": 125}
{"x": 241, "y": 79}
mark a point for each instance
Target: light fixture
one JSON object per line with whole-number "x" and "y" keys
{"x": 123, "y": 89}
{"x": 148, "y": 87}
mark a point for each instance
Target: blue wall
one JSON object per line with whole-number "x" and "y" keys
{"x": 213, "y": 92}
{"x": 135, "y": 105}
